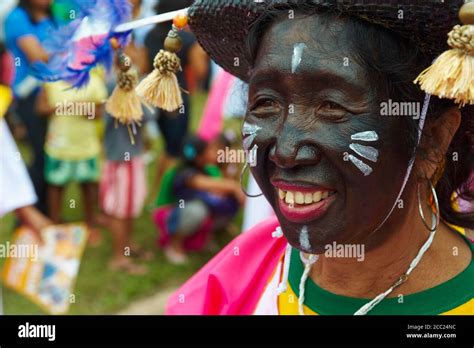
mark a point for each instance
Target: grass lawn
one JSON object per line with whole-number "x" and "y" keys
{"x": 100, "y": 291}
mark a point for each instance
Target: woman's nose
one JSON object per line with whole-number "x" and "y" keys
{"x": 290, "y": 151}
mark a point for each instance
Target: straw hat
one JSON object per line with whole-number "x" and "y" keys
{"x": 222, "y": 26}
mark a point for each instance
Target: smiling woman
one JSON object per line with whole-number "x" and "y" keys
{"x": 336, "y": 169}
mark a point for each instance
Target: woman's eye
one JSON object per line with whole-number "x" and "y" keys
{"x": 330, "y": 106}
{"x": 332, "y": 111}
{"x": 266, "y": 106}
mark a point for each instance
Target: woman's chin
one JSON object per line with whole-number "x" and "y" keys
{"x": 312, "y": 238}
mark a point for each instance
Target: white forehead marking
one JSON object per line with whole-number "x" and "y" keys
{"x": 297, "y": 54}
{"x": 304, "y": 239}
{"x": 367, "y": 152}
{"x": 365, "y": 136}
{"x": 249, "y": 132}
{"x": 364, "y": 168}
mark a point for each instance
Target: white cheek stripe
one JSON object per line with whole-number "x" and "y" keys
{"x": 367, "y": 152}
{"x": 365, "y": 136}
{"x": 249, "y": 132}
{"x": 364, "y": 168}
{"x": 297, "y": 54}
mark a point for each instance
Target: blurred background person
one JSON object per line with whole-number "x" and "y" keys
{"x": 123, "y": 186}
{"x": 195, "y": 63}
{"x": 202, "y": 193}
{"x": 25, "y": 27}
{"x": 73, "y": 146}
{"x": 16, "y": 189}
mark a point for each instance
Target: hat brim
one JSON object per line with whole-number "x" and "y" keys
{"x": 222, "y": 26}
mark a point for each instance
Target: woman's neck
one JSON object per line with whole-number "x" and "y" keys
{"x": 383, "y": 265}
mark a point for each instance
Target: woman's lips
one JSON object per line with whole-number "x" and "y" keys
{"x": 303, "y": 203}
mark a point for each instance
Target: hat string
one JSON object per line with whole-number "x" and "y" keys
{"x": 421, "y": 125}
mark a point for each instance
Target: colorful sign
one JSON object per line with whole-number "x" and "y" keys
{"x": 46, "y": 273}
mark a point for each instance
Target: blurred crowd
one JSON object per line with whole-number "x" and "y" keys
{"x": 73, "y": 140}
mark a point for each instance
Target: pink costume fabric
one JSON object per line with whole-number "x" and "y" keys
{"x": 212, "y": 122}
{"x": 215, "y": 290}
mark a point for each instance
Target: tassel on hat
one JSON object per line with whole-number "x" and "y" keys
{"x": 161, "y": 87}
{"x": 452, "y": 74}
{"x": 124, "y": 104}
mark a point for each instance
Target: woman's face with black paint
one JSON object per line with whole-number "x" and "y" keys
{"x": 328, "y": 162}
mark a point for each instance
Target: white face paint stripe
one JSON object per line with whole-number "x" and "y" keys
{"x": 365, "y": 136}
{"x": 364, "y": 168}
{"x": 304, "y": 239}
{"x": 297, "y": 54}
{"x": 367, "y": 152}
{"x": 249, "y": 132}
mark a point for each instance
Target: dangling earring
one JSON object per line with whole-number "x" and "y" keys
{"x": 241, "y": 182}
{"x": 436, "y": 215}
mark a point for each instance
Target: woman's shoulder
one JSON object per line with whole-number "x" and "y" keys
{"x": 215, "y": 289}
{"x": 17, "y": 15}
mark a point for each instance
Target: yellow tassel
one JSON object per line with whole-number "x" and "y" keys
{"x": 124, "y": 104}
{"x": 161, "y": 87}
{"x": 452, "y": 74}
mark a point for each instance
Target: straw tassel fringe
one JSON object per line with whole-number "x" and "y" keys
{"x": 452, "y": 74}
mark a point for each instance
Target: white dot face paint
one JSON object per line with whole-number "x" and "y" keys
{"x": 297, "y": 56}
{"x": 249, "y": 132}
{"x": 366, "y": 152}
{"x": 304, "y": 239}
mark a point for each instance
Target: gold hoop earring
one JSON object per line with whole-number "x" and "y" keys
{"x": 436, "y": 215}
{"x": 241, "y": 182}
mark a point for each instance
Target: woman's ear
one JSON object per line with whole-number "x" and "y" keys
{"x": 437, "y": 137}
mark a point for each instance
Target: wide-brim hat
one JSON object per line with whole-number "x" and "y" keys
{"x": 222, "y": 26}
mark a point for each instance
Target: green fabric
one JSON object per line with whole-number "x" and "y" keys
{"x": 64, "y": 12}
{"x": 166, "y": 196}
{"x": 434, "y": 301}
{"x": 61, "y": 172}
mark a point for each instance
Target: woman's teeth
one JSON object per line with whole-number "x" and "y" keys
{"x": 292, "y": 197}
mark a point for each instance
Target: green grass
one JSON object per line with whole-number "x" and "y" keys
{"x": 100, "y": 291}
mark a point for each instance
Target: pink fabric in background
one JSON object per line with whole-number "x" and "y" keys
{"x": 212, "y": 121}
{"x": 195, "y": 242}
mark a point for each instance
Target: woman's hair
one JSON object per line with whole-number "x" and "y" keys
{"x": 27, "y": 6}
{"x": 193, "y": 147}
{"x": 392, "y": 64}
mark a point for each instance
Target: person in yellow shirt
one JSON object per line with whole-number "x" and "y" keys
{"x": 72, "y": 145}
